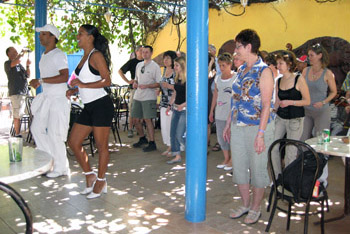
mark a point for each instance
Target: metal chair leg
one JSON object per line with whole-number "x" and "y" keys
{"x": 22, "y": 205}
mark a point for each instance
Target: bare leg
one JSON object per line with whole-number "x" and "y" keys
{"x": 16, "y": 125}
{"x": 139, "y": 129}
{"x": 227, "y": 157}
{"x": 209, "y": 132}
{"x": 244, "y": 192}
{"x": 131, "y": 122}
{"x": 76, "y": 137}
{"x": 150, "y": 129}
{"x": 258, "y": 195}
{"x": 101, "y": 135}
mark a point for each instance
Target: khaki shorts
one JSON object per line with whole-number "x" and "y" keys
{"x": 131, "y": 98}
{"x": 18, "y": 103}
{"x": 248, "y": 166}
{"x": 144, "y": 109}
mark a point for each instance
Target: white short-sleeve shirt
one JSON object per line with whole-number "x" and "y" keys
{"x": 50, "y": 64}
{"x": 151, "y": 75}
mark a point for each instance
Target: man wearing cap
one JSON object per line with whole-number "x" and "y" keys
{"x": 51, "y": 108}
{"x": 17, "y": 85}
{"x": 301, "y": 63}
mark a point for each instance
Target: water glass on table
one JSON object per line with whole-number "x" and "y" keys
{"x": 319, "y": 135}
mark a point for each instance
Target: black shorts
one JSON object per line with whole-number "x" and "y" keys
{"x": 98, "y": 113}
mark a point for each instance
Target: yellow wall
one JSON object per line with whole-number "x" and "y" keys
{"x": 302, "y": 20}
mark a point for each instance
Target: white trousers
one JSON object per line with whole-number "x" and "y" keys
{"x": 50, "y": 127}
{"x": 165, "y": 121}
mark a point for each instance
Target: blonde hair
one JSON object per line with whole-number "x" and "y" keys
{"x": 225, "y": 57}
{"x": 182, "y": 74}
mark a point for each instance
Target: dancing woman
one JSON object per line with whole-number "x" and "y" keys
{"x": 93, "y": 74}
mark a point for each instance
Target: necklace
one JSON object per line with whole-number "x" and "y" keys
{"x": 315, "y": 73}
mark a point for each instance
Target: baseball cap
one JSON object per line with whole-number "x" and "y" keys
{"x": 49, "y": 28}
{"x": 302, "y": 59}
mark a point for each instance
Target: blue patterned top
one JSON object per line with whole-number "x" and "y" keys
{"x": 246, "y": 97}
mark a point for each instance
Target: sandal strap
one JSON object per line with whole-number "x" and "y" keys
{"x": 101, "y": 179}
{"x": 238, "y": 212}
{"x": 89, "y": 173}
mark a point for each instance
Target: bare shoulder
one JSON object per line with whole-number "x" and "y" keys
{"x": 267, "y": 74}
{"x": 97, "y": 55}
{"x": 329, "y": 73}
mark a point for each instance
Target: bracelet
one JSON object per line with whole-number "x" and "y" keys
{"x": 40, "y": 81}
{"x": 323, "y": 102}
{"x": 262, "y": 131}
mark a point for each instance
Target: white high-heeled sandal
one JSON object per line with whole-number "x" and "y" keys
{"x": 93, "y": 195}
{"x": 88, "y": 190}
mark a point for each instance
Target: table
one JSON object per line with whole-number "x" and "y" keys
{"x": 34, "y": 162}
{"x": 336, "y": 147}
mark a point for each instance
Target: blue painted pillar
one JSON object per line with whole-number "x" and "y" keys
{"x": 40, "y": 20}
{"x": 197, "y": 105}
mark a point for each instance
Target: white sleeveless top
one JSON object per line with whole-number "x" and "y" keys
{"x": 86, "y": 76}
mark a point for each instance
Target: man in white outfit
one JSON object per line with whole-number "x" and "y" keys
{"x": 51, "y": 108}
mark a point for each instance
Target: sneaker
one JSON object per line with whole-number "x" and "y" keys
{"x": 55, "y": 174}
{"x": 130, "y": 133}
{"x": 151, "y": 147}
{"x": 142, "y": 141}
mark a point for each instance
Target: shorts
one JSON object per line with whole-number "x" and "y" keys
{"x": 144, "y": 109}
{"x": 18, "y": 103}
{"x": 131, "y": 98}
{"x": 98, "y": 113}
{"x": 220, "y": 126}
{"x": 248, "y": 166}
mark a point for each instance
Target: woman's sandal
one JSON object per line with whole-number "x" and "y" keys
{"x": 216, "y": 147}
{"x": 252, "y": 217}
{"x": 88, "y": 190}
{"x": 239, "y": 212}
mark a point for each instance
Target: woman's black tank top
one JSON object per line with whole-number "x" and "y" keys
{"x": 290, "y": 112}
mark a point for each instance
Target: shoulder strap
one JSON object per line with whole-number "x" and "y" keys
{"x": 296, "y": 80}
{"x": 307, "y": 72}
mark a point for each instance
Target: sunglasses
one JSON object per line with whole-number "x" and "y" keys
{"x": 317, "y": 45}
{"x": 143, "y": 69}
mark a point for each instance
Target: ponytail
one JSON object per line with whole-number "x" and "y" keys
{"x": 100, "y": 43}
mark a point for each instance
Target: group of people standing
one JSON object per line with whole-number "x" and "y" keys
{"x": 299, "y": 109}
{"x": 248, "y": 118}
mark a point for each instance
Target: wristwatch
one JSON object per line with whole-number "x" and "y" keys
{"x": 323, "y": 102}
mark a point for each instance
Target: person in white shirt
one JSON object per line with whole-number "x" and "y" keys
{"x": 93, "y": 74}
{"x": 148, "y": 77}
{"x": 51, "y": 108}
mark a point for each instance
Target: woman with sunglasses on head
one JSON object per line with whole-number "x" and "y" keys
{"x": 93, "y": 74}
{"x": 292, "y": 94}
{"x": 249, "y": 127}
{"x": 319, "y": 80}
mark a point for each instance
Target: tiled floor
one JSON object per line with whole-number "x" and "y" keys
{"x": 147, "y": 195}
